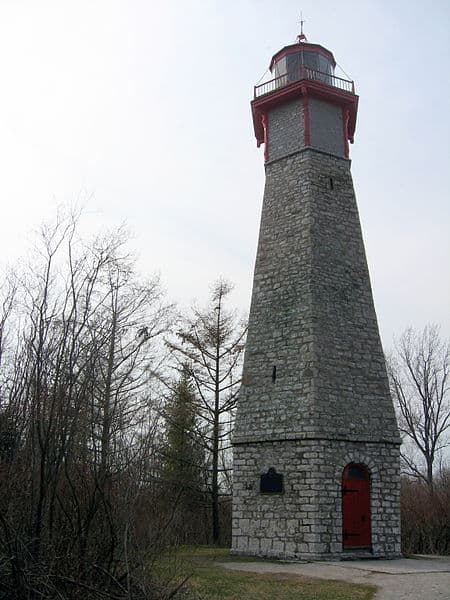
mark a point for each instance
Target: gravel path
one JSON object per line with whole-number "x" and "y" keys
{"x": 403, "y": 579}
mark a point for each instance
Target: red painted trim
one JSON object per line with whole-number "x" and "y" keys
{"x": 265, "y": 125}
{"x": 345, "y": 122}
{"x": 307, "y": 122}
{"x": 298, "y": 48}
{"x": 258, "y": 126}
{"x": 297, "y": 89}
{"x": 313, "y": 87}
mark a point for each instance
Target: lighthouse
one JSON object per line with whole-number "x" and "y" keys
{"x": 316, "y": 443}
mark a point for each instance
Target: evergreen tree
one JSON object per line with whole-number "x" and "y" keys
{"x": 212, "y": 342}
{"x": 184, "y": 460}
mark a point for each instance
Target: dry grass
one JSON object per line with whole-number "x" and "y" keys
{"x": 213, "y": 582}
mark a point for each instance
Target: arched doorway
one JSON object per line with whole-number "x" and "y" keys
{"x": 356, "y": 528}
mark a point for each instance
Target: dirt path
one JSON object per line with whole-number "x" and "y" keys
{"x": 403, "y": 579}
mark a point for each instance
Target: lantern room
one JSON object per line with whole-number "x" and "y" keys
{"x": 303, "y": 80}
{"x": 291, "y": 60}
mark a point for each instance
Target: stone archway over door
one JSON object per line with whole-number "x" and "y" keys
{"x": 356, "y": 518}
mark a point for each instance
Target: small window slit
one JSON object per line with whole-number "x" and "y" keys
{"x": 274, "y": 373}
{"x": 331, "y": 184}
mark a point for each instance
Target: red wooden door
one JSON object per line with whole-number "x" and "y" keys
{"x": 356, "y": 506}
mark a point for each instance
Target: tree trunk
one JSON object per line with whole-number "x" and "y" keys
{"x": 215, "y": 456}
{"x": 215, "y": 481}
{"x": 430, "y": 472}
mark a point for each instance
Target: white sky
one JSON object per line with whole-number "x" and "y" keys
{"x": 139, "y": 111}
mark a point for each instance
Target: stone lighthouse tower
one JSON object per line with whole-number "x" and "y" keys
{"x": 316, "y": 444}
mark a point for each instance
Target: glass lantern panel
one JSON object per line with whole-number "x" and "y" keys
{"x": 294, "y": 62}
{"x": 280, "y": 67}
{"x": 311, "y": 60}
{"x": 324, "y": 65}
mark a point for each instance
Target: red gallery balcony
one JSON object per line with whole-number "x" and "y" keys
{"x": 304, "y": 73}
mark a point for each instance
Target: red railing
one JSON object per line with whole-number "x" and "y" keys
{"x": 304, "y": 73}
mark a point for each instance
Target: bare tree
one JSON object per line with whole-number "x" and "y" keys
{"x": 78, "y": 403}
{"x": 419, "y": 377}
{"x": 8, "y": 293}
{"x": 211, "y": 342}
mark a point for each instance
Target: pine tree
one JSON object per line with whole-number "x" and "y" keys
{"x": 212, "y": 342}
{"x": 184, "y": 459}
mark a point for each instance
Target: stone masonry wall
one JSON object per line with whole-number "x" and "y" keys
{"x": 352, "y": 391}
{"x": 305, "y": 521}
{"x": 314, "y": 394}
{"x": 286, "y": 129}
{"x": 312, "y": 315}
{"x": 326, "y": 127}
{"x": 281, "y": 328}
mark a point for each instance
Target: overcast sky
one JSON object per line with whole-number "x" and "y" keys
{"x": 139, "y": 111}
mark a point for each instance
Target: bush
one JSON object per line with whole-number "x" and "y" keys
{"x": 426, "y": 516}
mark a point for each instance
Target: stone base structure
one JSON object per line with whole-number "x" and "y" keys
{"x": 305, "y": 520}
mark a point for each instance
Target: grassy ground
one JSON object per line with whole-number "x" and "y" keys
{"x": 213, "y": 582}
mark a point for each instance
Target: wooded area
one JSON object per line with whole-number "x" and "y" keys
{"x": 418, "y": 370}
{"x": 115, "y": 419}
{"x": 114, "y": 439}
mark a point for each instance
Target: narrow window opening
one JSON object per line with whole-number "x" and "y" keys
{"x": 274, "y": 373}
{"x": 331, "y": 184}
{"x": 271, "y": 482}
